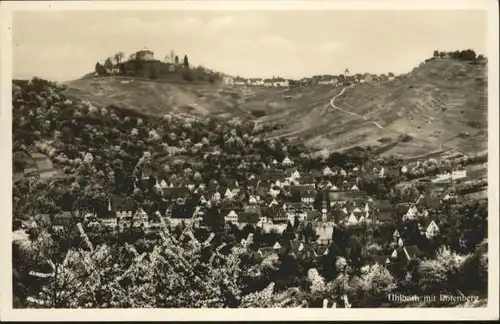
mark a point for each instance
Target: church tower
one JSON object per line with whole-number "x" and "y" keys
{"x": 324, "y": 209}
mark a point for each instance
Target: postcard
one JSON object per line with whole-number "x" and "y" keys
{"x": 278, "y": 160}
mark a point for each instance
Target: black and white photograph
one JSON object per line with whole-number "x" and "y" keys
{"x": 177, "y": 155}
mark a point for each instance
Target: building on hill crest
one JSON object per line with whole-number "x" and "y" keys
{"x": 144, "y": 55}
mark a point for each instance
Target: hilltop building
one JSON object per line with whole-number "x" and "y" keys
{"x": 144, "y": 55}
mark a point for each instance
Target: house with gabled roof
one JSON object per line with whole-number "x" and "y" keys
{"x": 432, "y": 229}
{"x": 411, "y": 213}
{"x": 325, "y": 185}
{"x": 214, "y": 195}
{"x": 363, "y": 218}
{"x": 231, "y": 217}
{"x": 404, "y": 254}
{"x": 448, "y": 195}
{"x": 352, "y": 219}
{"x": 293, "y": 247}
{"x": 273, "y": 202}
{"x": 354, "y": 188}
{"x": 286, "y": 161}
{"x": 308, "y": 197}
{"x": 163, "y": 184}
{"x": 228, "y": 194}
{"x": 337, "y": 198}
{"x": 356, "y": 211}
{"x": 307, "y": 180}
{"x": 292, "y": 173}
{"x": 252, "y": 200}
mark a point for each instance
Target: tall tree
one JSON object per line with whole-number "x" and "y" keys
{"x": 172, "y": 56}
{"x": 108, "y": 64}
{"x": 119, "y": 57}
{"x": 310, "y": 233}
{"x": 176, "y": 60}
{"x": 354, "y": 253}
{"x": 99, "y": 68}
{"x": 289, "y": 233}
{"x": 186, "y": 61}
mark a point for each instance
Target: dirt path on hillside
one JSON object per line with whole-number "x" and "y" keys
{"x": 440, "y": 146}
{"x": 349, "y": 112}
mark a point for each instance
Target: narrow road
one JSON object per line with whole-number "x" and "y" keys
{"x": 349, "y": 112}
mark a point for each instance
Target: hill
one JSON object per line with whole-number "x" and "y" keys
{"x": 438, "y": 108}
{"x": 154, "y": 97}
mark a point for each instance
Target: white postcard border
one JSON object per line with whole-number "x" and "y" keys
{"x": 6, "y": 311}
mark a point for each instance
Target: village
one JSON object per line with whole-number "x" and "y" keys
{"x": 317, "y": 80}
{"x": 281, "y": 195}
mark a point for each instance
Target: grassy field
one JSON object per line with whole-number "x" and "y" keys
{"x": 155, "y": 98}
{"x": 437, "y": 110}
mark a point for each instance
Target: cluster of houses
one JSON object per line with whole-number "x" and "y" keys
{"x": 454, "y": 175}
{"x": 275, "y": 82}
{"x": 279, "y": 195}
{"x": 446, "y": 176}
{"x": 332, "y": 80}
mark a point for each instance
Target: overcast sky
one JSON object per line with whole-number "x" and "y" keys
{"x": 292, "y": 44}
